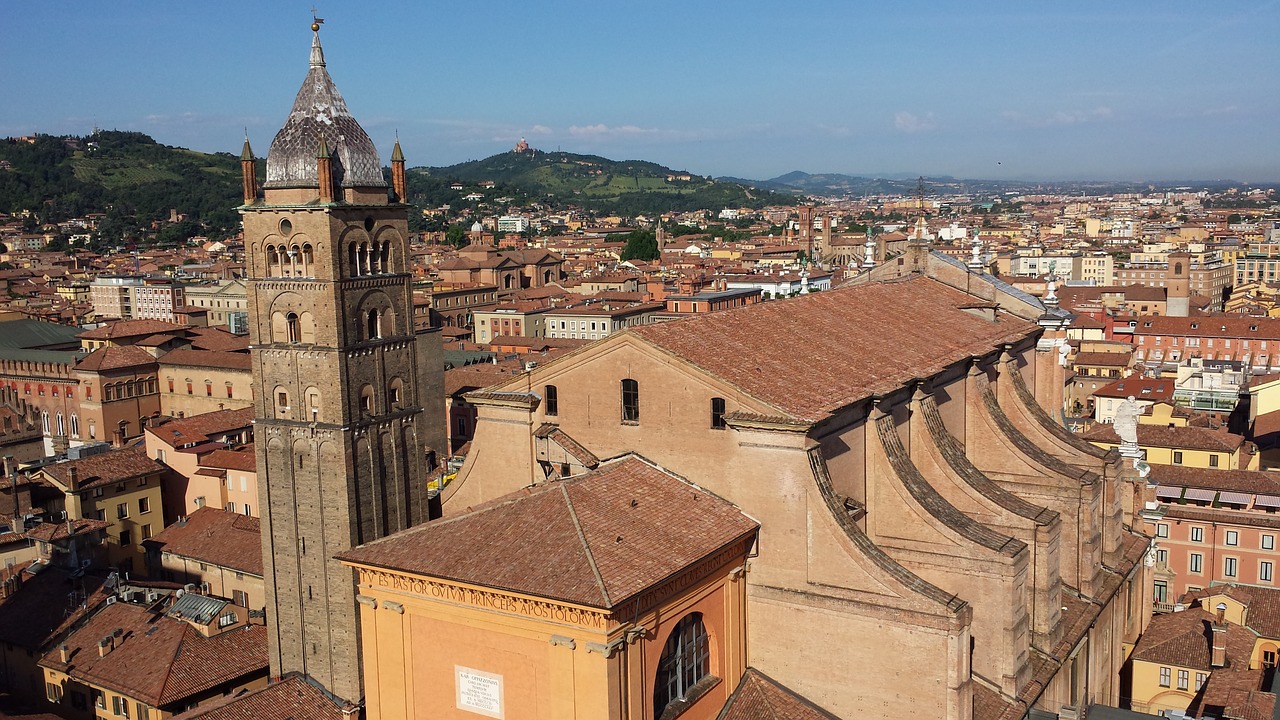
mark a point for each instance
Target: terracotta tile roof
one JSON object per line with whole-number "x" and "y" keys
{"x": 106, "y": 468}
{"x": 1238, "y": 693}
{"x": 292, "y": 698}
{"x": 1104, "y": 359}
{"x": 218, "y": 339}
{"x": 219, "y": 359}
{"x": 1139, "y": 386}
{"x": 829, "y": 349}
{"x": 1184, "y": 639}
{"x": 241, "y": 458}
{"x": 595, "y": 539}
{"x": 1219, "y": 515}
{"x": 52, "y": 532}
{"x": 44, "y": 603}
{"x": 1189, "y": 438}
{"x": 1263, "y": 603}
{"x": 133, "y": 328}
{"x": 760, "y": 697}
{"x": 203, "y": 427}
{"x": 157, "y": 659}
{"x": 217, "y": 537}
{"x": 115, "y": 358}
{"x": 474, "y": 377}
{"x": 1245, "y": 481}
{"x": 1217, "y": 326}
{"x": 988, "y": 703}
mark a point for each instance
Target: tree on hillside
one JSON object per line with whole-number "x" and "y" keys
{"x": 641, "y": 245}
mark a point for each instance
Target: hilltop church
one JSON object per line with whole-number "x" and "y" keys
{"x": 854, "y": 503}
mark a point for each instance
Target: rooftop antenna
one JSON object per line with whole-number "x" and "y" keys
{"x": 920, "y": 193}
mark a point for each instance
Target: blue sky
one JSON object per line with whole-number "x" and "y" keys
{"x": 1080, "y": 90}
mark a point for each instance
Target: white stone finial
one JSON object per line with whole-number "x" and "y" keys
{"x": 975, "y": 262}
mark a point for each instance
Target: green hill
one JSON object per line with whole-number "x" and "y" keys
{"x": 625, "y": 187}
{"x": 127, "y": 175}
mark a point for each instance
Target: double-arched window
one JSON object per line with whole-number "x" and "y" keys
{"x": 685, "y": 660}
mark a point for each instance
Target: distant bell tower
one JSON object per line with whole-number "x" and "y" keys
{"x": 1178, "y": 285}
{"x": 344, "y": 445}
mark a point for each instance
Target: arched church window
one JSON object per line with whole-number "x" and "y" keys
{"x": 685, "y": 660}
{"x": 293, "y": 330}
{"x": 373, "y": 325}
{"x": 353, "y": 259}
{"x": 366, "y": 399}
{"x": 308, "y": 260}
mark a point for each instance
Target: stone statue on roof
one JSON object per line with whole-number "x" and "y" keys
{"x": 1126, "y": 426}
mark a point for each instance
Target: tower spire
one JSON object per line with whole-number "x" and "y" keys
{"x": 399, "y": 186}
{"x": 248, "y": 173}
{"x": 317, "y": 52}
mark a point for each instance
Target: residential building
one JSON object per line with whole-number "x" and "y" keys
{"x": 184, "y": 444}
{"x": 1254, "y": 342}
{"x": 194, "y": 382}
{"x": 1216, "y": 526}
{"x": 1215, "y": 654}
{"x": 452, "y": 305}
{"x": 522, "y": 318}
{"x": 121, "y": 487}
{"x": 592, "y": 321}
{"x": 126, "y": 662}
{"x": 1173, "y": 444}
{"x": 222, "y": 300}
{"x": 136, "y": 297}
{"x": 217, "y": 551}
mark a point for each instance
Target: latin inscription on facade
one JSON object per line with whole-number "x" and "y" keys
{"x": 478, "y": 691}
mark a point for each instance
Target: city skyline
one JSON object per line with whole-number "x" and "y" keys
{"x": 1182, "y": 92}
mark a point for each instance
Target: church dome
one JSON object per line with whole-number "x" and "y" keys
{"x": 319, "y": 112}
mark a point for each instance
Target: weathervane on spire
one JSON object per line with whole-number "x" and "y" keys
{"x": 316, "y": 22}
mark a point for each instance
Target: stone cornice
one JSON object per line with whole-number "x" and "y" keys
{"x": 484, "y": 599}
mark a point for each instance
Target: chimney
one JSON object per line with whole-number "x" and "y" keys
{"x": 117, "y": 438}
{"x": 73, "y": 477}
{"x": 1219, "y": 656}
{"x": 64, "y": 652}
{"x": 106, "y": 645}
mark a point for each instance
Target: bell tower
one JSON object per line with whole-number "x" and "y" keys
{"x": 345, "y": 423}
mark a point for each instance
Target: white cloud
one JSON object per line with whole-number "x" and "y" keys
{"x": 1059, "y": 118}
{"x": 602, "y": 130}
{"x": 539, "y": 130}
{"x": 911, "y": 123}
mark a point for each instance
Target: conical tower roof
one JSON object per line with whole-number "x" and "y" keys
{"x": 319, "y": 113}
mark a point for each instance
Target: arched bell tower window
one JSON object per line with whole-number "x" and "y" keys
{"x": 686, "y": 660}
{"x": 373, "y": 325}
{"x": 293, "y": 327}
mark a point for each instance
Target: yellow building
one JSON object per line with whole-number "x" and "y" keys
{"x": 616, "y": 594}
{"x": 121, "y": 487}
{"x": 1222, "y": 642}
{"x": 1170, "y": 441}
